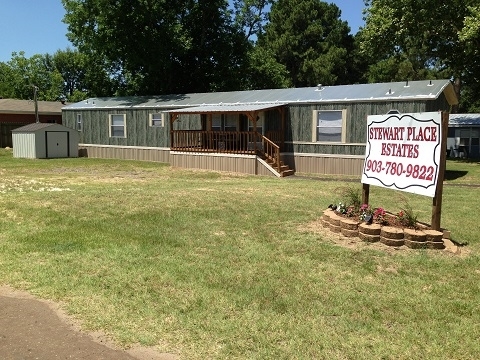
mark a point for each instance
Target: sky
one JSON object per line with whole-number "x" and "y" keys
{"x": 36, "y": 27}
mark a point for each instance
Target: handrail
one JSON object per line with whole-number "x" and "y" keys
{"x": 271, "y": 150}
{"x": 274, "y": 136}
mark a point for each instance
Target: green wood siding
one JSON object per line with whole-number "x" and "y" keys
{"x": 357, "y": 116}
{"x": 314, "y": 148}
{"x": 298, "y": 123}
{"x": 440, "y": 104}
{"x": 300, "y": 118}
{"x": 138, "y": 130}
{"x": 273, "y": 120}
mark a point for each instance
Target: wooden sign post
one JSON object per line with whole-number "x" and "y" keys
{"x": 437, "y": 199}
{"x": 365, "y": 193}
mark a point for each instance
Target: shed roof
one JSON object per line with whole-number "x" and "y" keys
{"x": 34, "y": 127}
{"x": 464, "y": 119}
{"x": 15, "y": 106}
{"x": 397, "y": 91}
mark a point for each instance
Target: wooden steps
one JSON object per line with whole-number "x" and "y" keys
{"x": 284, "y": 169}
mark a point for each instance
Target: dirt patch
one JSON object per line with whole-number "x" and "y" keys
{"x": 32, "y": 328}
{"x": 355, "y": 243}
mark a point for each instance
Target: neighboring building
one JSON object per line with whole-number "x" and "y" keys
{"x": 15, "y": 113}
{"x": 311, "y": 130}
{"x": 464, "y": 135}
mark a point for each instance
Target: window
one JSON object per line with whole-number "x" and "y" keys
{"x": 117, "y": 125}
{"x": 224, "y": 122}
{"x": 79, "y": 122}
{"x": 217, "y": 122}
{"x": 230, "y": 122}
{"x": 328, "y": 126}
{"x": 157, "y": 120}
{"x": 451, "y": 132}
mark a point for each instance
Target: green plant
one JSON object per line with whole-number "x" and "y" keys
{"x": 407, "y": 217}
{"x": 351, "y": 198}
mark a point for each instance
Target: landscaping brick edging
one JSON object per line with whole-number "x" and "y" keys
{"x": 387, "y": 235}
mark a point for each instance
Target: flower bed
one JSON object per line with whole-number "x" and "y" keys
{"x": 387, "y": 229}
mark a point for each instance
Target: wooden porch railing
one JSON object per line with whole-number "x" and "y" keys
{"x": 270, "y": 150}
{"x": 230, "y": 142}
{"x": 235, "y": 142}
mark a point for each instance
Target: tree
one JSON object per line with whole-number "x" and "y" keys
{"x": 70, "y": 64}
{"x": 158, "y": 47}
{"x": 264, "y": 72}
{"x": 19, "y": 75}
{"x": 310, "y": 40}
{"x": 83, "y": 75}
{"x": 66, "y": 75}
{"x": 251, "y": 16}
{"x": 214, "y": 57}
{"x": 416, "y": 40}
{"x": 470, "y": 39}
{"x": 6, "y": 88}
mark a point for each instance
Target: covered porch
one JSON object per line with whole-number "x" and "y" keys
{"x": 232, "y": 129}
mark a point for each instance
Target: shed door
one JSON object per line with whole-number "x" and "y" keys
{"x": 57, "y": 144}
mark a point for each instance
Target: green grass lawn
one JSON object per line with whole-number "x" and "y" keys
{"x": 221, "y": 266}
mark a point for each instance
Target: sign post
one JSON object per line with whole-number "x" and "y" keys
{"x": 365, "y": 193}
{"x": 437, "y": 200}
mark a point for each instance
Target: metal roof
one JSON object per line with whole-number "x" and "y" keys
{"x": 464, "y": 119}
{"x": 397, "y": 91}
{"x": 33, "y": 127}
{"x": 225, "y": 108}
{"x": 14, "y": 106}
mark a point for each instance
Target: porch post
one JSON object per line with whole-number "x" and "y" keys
{"x": 255, "y": 131}
{"x": 173, "y": 117}
{"x": 253, "y": 118}
{"x": 209, "y": 131}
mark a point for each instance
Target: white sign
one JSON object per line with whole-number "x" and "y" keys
{"x": 403, "y": 152}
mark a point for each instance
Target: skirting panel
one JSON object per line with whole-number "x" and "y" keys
{"x": 238, "y": 164}
{"x": 125, "y": 153}
{"x": 328, "y": 164}
{"x": 244, "y": 164}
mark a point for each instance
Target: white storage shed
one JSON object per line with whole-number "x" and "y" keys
{"x": 44, "y": 141}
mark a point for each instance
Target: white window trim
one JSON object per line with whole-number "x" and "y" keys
{"x": 124, "y": 126}
{"x": 150, "y": 119}
{"x": 79, "y": 122}
{"x": 344, "y": 126}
